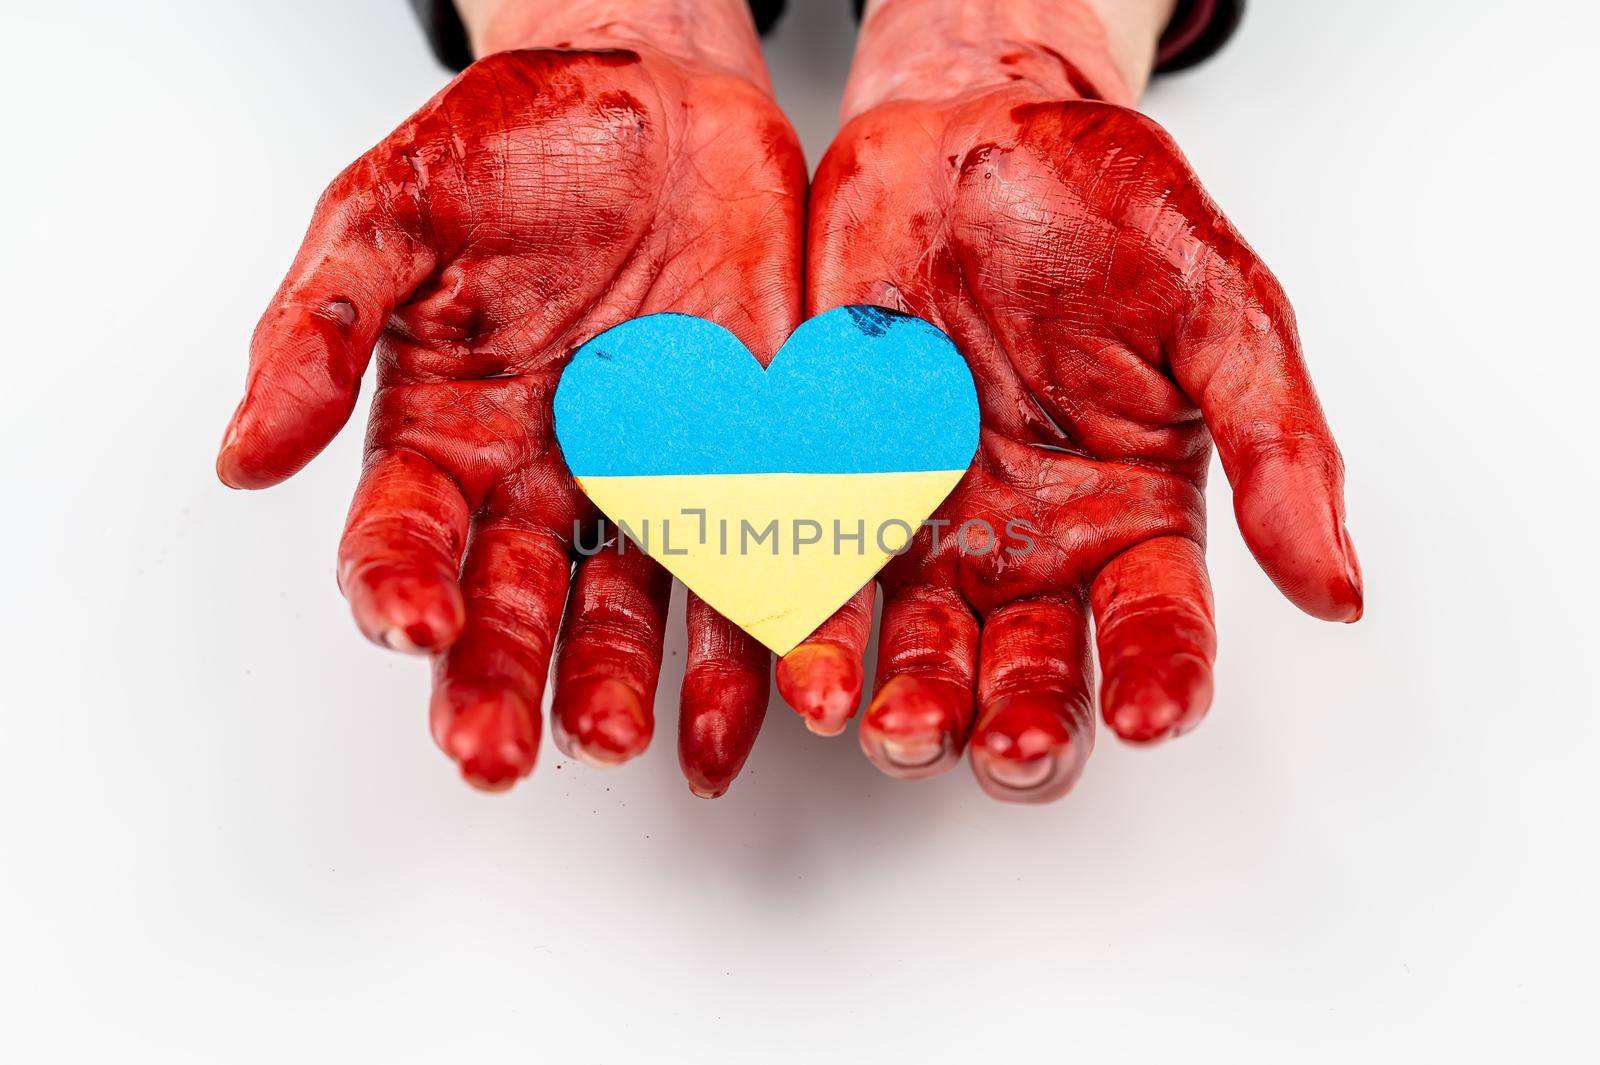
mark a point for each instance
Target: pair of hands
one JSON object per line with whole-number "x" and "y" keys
{"x": 1113, "y": 320}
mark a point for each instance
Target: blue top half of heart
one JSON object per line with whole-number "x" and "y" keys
{"x": 853, "y": 390}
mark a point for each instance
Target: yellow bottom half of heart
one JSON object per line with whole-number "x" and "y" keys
{"x": 775, "y": 553}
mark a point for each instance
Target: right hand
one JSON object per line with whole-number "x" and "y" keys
{"x": 541, "y": 198}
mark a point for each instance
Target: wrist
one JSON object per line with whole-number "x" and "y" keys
{"x": 1066, "y": 49}
{"x": 711, "y": 33}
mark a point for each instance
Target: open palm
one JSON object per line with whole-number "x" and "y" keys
{"x": 1116, "y": 326}
{"x": 540, "y": 198}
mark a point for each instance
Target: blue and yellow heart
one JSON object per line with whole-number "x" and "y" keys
{"x": 774, "y": 494}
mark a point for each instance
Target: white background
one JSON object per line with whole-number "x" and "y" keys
{"x": 227, "y": 835}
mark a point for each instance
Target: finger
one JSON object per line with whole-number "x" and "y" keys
{"x": 1036, "y": 725}
{"x": 361, "y": 256}
{"x": 1154, "y": 632}
{"x": 488, "y": 686}
{"x": 724, "y": 699}
{"x": 401, "y": 553}
{"x": 821, "y": 679}
{"x": 610, "y": 657}
{"x": 1240, "y": 359}
{"x": 921, "y": 710}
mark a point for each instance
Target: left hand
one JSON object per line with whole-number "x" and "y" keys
{"x": 1116, "y": 325}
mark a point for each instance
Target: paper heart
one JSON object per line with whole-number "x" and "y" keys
{"x": 774, "y": 494}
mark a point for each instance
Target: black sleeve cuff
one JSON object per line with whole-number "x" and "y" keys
{"x": 446, "y": 35}
{"x": 1197, "y": 30}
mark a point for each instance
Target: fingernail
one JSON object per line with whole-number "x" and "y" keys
{"x": 1017, "y": 776}
{"x": 490, "y": 774}
{"x": 913, "y": 727}
{"x": 600, "y": 721}
{"x": 912, "y": 755}
{"x": 404, "y": 610}
{"x": 1144, "y": 705}
{"x": 822, "y": 683}
{"x": 230, "y": 437}
{"x": 1352, "y": 570}
{"x": 1144, "y": 717}
{"x": 1025, "y": 749}
{"x": 490, "y": 733}
{"x": 396, "y": 639}
{"x": 417, "y": 638}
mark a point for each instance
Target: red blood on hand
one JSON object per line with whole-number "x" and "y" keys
{"x": 1117, "y": 326}
{"x": 539, "y": 199}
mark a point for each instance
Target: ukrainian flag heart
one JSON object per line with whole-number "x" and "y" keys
{"x": 774, "y": 494}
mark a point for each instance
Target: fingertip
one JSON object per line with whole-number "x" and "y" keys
{"x": 914, "y": 726}
{"x": 236, "y": 473}
{"x": 242, "y": 466}
{"x": 723, "y": 700}
{"x": 492, "y": 775}
{"x": 1290, "y": 517}
{"x": 822, "y": 682}
{"x": 600, "y": 721}
{"x": 1147, "y": 702}
{"x": 406, "y": 610}
{"x": 710, "y": 772}
{"x": 1025, "y": 751}
{"x": 706, "y": 789}
{"x": 426, "y": 636}
{"x": 226, "y": 460}
{"x": 1338, "y": 595}
{"x": 276, "y": 432}
{"x": 1354, "y": 601}
{"x": 720, "y": 718}
{"x": 489, "y": 731}
{"x": 1339, "y": 598}
{"x": 235, "y": 466}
